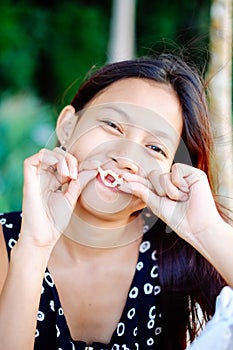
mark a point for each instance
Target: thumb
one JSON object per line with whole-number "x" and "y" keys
{"x": 161, "y": 206}
{"x": 75, "y": 187}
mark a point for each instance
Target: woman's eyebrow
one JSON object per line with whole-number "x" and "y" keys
{"x": 161, "y": 134}
{"x": 119, "y": 111}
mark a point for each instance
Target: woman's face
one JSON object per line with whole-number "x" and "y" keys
{"x": 134, "y": 126}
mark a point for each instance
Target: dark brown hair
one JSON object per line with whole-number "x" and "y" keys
{"x": 186, "y": 277}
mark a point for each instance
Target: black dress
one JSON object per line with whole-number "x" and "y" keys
{"x": 140, "y": 324}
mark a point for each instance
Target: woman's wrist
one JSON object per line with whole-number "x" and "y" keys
{"x": 215, "y": 244}
{"x": 214, "y": 229}
{"x": 28, "y": 251}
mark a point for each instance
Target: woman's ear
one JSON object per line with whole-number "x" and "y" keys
{"x": 66, "y": 123}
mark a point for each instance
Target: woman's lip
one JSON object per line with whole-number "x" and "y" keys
{"x": 109, "y": 177}
{"x": 111, "y": 188}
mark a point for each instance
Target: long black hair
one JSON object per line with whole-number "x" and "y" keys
{"x": 188, "y": 281}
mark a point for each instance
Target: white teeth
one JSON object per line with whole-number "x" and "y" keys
{"x": 104, "y": 173}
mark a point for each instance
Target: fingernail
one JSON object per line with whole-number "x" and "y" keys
{"x": 184, "y": 197}
{"x": 126, "y": 176}
{"x": 74, "y": 173}
{"x": 65, "y": 170}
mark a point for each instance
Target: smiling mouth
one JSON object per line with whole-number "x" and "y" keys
{"x": 110, "y": 178}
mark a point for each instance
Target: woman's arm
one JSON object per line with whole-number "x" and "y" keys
{"x": 20, "y": 296}
{"x": 46, "y": 212}
{"x": 184, "y": 201}
{"x": 3, "y": 259}
{"x": 215, "y": 243}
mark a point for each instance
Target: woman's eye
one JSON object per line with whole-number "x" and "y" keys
{"x": 157, "y": 149}
{"x": 112, "y": 125}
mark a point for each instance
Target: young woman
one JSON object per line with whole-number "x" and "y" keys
{"x": 91, "y": 268}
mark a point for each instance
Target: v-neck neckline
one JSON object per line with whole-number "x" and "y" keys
{"x": 96, "y": 344}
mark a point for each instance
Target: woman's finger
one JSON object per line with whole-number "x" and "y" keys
{"x": 154, "y": 178}
{"x": 171, "y": 190}
{"x": 63, "y": 163}
{"x": 68, "y": 165}
{"x": 128, "y": 177}
{"x": 75, "y": 187}
{"x": 137, "y": 189}
{"x": 160, "y": 184}
{"x": 60, "y": 162}
{"x": 179, "y": 172}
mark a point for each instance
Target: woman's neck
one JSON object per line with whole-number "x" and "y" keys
{"x": 104, "y": 233}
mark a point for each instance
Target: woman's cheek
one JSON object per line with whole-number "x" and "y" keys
{"x": 149, "y": 164}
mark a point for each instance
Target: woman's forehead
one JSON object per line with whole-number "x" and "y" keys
{"x": 147, "y": 94}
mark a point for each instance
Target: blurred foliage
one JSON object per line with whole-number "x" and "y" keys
{"x": 26, "y": 125}
{"x": 48, "y": 47}
{"x": 178, "y": 26}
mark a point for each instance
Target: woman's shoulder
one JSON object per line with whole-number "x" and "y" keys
{"x": 11, "y": 224}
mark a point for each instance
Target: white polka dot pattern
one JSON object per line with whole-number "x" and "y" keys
{"x": 140, "y": 324}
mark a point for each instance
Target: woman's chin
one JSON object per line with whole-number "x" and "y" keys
{"x": 97, "y": 198}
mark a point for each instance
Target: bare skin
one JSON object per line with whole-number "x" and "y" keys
{"x": 93, "y": 306}
{"x": 179, "y": 194}
{"x": 3, "y": 260}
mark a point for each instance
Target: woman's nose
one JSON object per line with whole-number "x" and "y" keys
{"x": 126, "y": 164}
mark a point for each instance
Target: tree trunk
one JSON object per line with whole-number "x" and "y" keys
{"x": 220, "y": 77}
{"x": 122, "y": 30}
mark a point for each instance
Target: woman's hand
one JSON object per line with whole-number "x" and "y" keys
{"x": 181, "y": 198}
{"x": 52, "y": 186}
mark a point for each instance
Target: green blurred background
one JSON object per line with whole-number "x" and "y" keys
{"x": 48, "y": 47}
